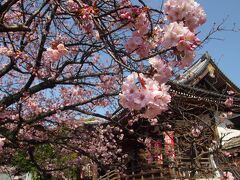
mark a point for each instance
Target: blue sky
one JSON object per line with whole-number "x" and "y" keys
{"x": 225, "y": 52}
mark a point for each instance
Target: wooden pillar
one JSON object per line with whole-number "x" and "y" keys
{"x": 142, "y": 176}
{"x": 94, "y": 172}
{"x": 119, "y": 177}
{"x": 133, "y": 176}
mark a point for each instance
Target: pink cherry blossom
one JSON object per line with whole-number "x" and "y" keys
{"x": 129, "y": 93}
{"x": 229, "y": 102}
{"x": 142, "y": 24}
{"x": 87, "y": 12}
{"x": 227, "y": 176}
{"x": 157, "y": 63}
{"x": 5, "y": 51}
{"x": 73, "y": 6}
{"x": 126, "y": 15}
{"x": 143, "y": 50}
{"x": 138, "y": 41}
{"x": 133, "y": 43}
{"x": 54, "y": 54}
{"x": 61, "y": 49}
{"x": 154, "y": 97}
{"x": 157, "y": 35}
{"x": 179, "y": 36}
{"x": 188, "y": 11}
{"x": 227, "y": 154}
{"x": 164, "y": 70}
{"x": 176, "y": 34}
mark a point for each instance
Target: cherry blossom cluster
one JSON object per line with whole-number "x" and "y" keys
{"x": 179, "y": 36}
{"x": 28, "y": 133}
{"x": 5, "y": 51}
{"x": 139, "y": 42}
{"x": 51, "y": 56}
{"x": 13, "y": 16}
{"x": 103, "y": 143}
{"x": 85, "y": 13}
{"x": 184, "y": 17}
{"x": 179, "y": 33}
{"x": 149, "y": 95}
{"x": 227, "y": 154}
{"x": 130, "y": 13}
{"x": 55, "y": 53}
{"x": 73, "y": 6}
{"x": 187, "y": 11}
{"x": 229, "y": 102}
{"x": 163, "y": 69}
{"x": 227, "y": 176}
{"x": 108, "y": 83}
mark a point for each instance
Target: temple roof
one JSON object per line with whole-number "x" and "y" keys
{"x": 204, "y": 83}
{"x": 205, "y": 74}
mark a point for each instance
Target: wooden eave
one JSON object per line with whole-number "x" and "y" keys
{"x": 198, "y": 96}
{"x": 223, "y": 77}
{"x": 200, "y": 72}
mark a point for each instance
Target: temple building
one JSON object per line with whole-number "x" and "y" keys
{"x": 205, "y": 142}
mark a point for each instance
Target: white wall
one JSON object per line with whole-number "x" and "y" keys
{"x": 225, "y": 133}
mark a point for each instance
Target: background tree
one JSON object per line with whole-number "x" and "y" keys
{"x": 65, "y": 61}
